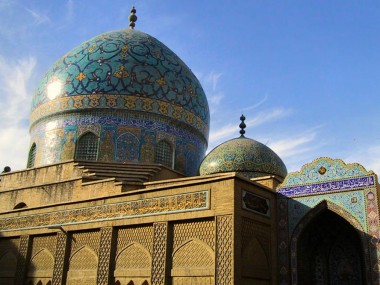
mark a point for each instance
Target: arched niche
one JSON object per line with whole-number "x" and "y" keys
{"x": 83, "y": 267}
{"x": 87, "y": 147}
{"x": 20, "y": 206}
{"x": 133, "y": 264}
{"x": 41, "y": 265}
{"x": 328, "y": 244}
{"x": 164, "y": 153}
{"x": 193, "y": 262}
{"x": 127, "y": 148}
{"x": 255, "y": 262}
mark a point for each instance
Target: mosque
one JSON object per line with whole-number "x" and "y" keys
{"x": 118, "y": 189}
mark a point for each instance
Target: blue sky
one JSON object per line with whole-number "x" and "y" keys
{"x": 306, "y": 74}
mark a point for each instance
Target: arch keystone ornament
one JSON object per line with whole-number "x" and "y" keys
{"x": 346, "y": 191}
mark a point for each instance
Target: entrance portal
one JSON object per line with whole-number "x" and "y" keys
{"x": 330, "y": 252}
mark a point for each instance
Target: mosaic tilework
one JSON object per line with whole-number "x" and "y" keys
{"x": 330, "y": 186}
{"x": 123, "y": 137}
{"x": 123, "y": 69}
{"x": 353, "y": 202}
{"x": 324, "y": 169}
{"x": 243, "y": 155}
{"x": 349, "y": 190}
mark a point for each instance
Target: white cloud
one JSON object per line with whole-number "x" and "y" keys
{"x": 258, "y": 104}
{"x": 366, "y": 156}
{"x": 210, "y": 83}
{"x": 15, "y": 102}
{"x": 213, "y": 79}
{"x": 294, "y": 145}
{"x": 228, "y": 130}
{"x": 69, "y": 11}
{"x": 38, "y": 17}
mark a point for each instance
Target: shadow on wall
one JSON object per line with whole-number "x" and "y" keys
{"x": 324, "y": 244}
{"x": 14, "y": 260}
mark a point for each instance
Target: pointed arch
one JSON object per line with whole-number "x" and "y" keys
{"x": 83, "y": 266}
{"x": 127, "y": 147}
{"x": 43, "y": 260}
{"x": 32, "y": 156}
{"x": 87, "y": 147}
{"x": 20, "y": 206}
{"x": 164, "y": 153}
{"x": 322, "y": 207}
{"x": 133, "y": 260}
{"x": 193, "y": 257}
{"x": 255, "y": 261}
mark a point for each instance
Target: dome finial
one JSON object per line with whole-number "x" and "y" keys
{"x": 132, "y": 18}
{"x": 242, "y": 126}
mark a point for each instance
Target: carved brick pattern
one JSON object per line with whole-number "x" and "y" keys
{"x": 103, "y": 276}
{"x": 60, "y": 253}
{"x": 43, "y": 242}
{"x": 81, "y": 281}
{"x": 123, "y": 210}
{"x": 23, "y": 256}
{"x": 224, "y": 250}
{"x": 251, "y": 229}
{"x": 84, "y": 259}
{"x": 203, "y": 230}
{"x": 193, "y": 255}
{"x": 134, "y": 256}
{"x": 89, "y": 238}
{"x": 141, "y": 234}
{"x": 160, "y": 237}
{"x": 43, "y": 260}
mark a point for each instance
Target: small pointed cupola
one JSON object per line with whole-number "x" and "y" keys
{"x": 243, "y": 155}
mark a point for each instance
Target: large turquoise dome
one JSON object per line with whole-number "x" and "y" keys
{"x": 139, "y": 71}
{"x": 121, "y": 96}
{"x": 246, "y": 156}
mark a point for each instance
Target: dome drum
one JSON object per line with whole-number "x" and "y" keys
{"x": 121, "y": 138}
{"x": 131, "y": 92}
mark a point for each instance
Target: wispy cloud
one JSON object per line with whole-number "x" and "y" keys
{"x": 367, "y": 156}
{"x": 261, "y": 118}
{"x": 294, "y": 145}
{"x": 69, "y": 11}
{"x": 258, "y": 104}
{"x": 210, "y": 83}
{"x": 15, "y": 78}
{"x": 39, "y": 18}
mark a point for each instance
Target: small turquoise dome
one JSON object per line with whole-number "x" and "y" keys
{"x": 246, "y": 156}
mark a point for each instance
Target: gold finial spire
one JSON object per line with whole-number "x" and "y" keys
{"x": 132, "y": 18}
{"x": 242, "y": 126}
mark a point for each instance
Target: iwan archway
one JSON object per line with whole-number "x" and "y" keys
{"x": 328, "y": 225}
{"x": 330, "y": 251}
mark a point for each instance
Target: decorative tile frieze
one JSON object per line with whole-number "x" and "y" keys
{"x": 330, "y": 186}
{"x": 138, "y": 208}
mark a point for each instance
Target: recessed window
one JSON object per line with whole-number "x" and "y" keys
{"x": 20, "y": 206}
{"x": 164, "y": 153}
{"x": 32, "y": 156}
{"x": 127, "y": 147}
{"x": 87, "y": 147}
